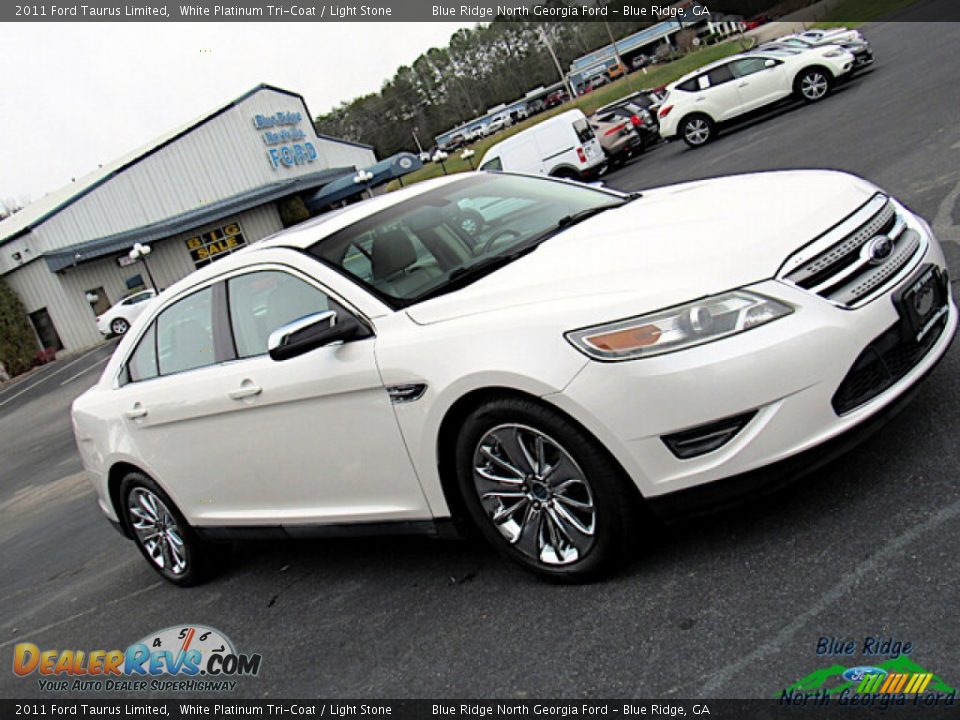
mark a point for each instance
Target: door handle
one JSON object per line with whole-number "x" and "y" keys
{"x": 246, "y": 390}
{"x": 136, "y": 412}
{"x": 743, "y": 84}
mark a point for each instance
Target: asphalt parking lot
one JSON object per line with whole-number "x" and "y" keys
{"x": 727, "y": 606}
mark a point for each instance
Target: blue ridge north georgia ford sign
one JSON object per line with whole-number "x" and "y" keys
{"x": 286, "y": 142}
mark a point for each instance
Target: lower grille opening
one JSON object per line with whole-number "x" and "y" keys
{"x": 703, "y": 439}
{"x": 883, "y": 363}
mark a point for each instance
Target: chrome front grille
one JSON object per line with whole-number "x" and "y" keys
{"x": 843, "y": 265}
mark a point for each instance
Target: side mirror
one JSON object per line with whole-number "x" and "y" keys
{"x": 770, "y": 63}
{"x": 311, "y": 332}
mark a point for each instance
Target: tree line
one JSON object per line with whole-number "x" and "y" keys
{"x": 479, "y": 68}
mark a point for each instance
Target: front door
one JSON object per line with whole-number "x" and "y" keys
{"x": 329, "y": 449}
{"x": 758, "y": 84}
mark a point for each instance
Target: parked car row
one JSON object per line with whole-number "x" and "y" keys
{"x": 806, "y": 66}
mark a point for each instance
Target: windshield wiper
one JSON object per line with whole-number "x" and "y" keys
{"x": 581, "y": 215}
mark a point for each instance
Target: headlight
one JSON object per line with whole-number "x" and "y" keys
{"x": 678, "y": 328}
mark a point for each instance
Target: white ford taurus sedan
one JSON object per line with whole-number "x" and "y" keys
{"x": 574, "y": 356}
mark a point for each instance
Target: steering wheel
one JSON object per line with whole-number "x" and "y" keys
{"x": 496, "y": 236}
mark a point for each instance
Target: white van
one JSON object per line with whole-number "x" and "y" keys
{"x": 563, "y": 146}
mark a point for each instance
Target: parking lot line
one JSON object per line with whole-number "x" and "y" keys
{"x": 47, "y": 377}
{"x": 85, "y": 370}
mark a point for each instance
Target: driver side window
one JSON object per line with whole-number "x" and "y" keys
{"x": 263, "y": 301}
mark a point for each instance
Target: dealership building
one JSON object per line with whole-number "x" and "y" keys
{"x": 200, "y": 192}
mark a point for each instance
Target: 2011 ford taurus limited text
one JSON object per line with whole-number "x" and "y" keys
{"x": 576, "y": 354}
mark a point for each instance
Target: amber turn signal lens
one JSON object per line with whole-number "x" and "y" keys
{"x": 628, "y": 339}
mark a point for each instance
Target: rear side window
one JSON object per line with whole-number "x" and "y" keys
{"x": 583, "y": 130}
{"x": 494, "y": 164}
{"x": 185, "y": 334}
{"x": 264, "y": 301}
{"x": 138, "y": 298}
{"x": 691, "y": 85}
{"x": 143, "y": 363}
{"x": 720, "y": 75}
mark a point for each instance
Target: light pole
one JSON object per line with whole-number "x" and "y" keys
{"x": 563, "y": 76}
{"x": 362, "y": 178}
{"x": 140, "y": 252}
{"x": 467, "y": 155}
{"x": 439, "y": 157}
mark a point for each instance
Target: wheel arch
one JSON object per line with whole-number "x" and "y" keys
{"x": 118, "y": 471}
{"x": 453, "y": 420}
{"x": 565, "y": 171}
{"x": 115, "y": 475}
{"x": 815, "y": 66}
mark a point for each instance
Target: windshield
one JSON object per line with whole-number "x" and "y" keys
{"x": 417, "y": 248}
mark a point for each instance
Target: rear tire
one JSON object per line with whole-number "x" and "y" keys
{"x": 165, "y": 539}
{"x": 543, "y": 492}
{"x": 119, "y": 326}
{"x": 814, "y": 84}
{"x": 697, "y": 130}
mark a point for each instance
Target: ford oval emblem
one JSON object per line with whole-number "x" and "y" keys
{"x": 879, "y": 249}
{"x": 856, "y": 674}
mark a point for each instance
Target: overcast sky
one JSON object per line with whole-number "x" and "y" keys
{"x": 75, "y": 95}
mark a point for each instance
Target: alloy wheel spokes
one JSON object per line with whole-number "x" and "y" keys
{"x": 535, "y": 494}
{"x": 157, "y": 531}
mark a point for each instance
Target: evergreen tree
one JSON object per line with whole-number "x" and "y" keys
{"x": 18, "y": 343}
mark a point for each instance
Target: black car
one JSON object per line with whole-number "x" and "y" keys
{"x": 641, "y": 117}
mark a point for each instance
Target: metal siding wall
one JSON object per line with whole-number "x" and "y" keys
{"x": 39, "y": 288}
{"x": 217, "y": 160}
{"x": 341, "y": 155}
{"x": 63, "y": 294}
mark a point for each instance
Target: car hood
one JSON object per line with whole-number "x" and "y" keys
{"x": 670, "y": 246}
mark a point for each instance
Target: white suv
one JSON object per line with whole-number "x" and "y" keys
{"x": 697, "y": 103}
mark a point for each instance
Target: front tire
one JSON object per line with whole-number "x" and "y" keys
{"x": 697, "y": 130}
{"x": 814, "y": 84}
{"x": 541, "y": 491}
{"x": 119, "y": 326}
{"x": 163, "y": 536}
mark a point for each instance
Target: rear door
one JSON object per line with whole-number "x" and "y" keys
{"x": 718, "y": 94}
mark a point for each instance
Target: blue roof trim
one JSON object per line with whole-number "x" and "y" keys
{"x": 113, "y": 244}
{"x": 190, "y": 128}
{"x": 342, "y": 188}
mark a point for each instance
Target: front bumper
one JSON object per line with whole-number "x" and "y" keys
{"x": 862, "y": 59}
{"x": 787, "y": 372}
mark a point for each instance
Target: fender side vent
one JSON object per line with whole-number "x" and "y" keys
{"x": 703, "y": 439}
{"x": 406, "y": 393}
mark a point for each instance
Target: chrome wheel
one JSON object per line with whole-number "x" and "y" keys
{"x": 814, "y": 86}
{"x": 119, "y": 326}
{"x": 157, "y": 531}
{"x": 697, "y": 131}
{"x": 535, "y": 494}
